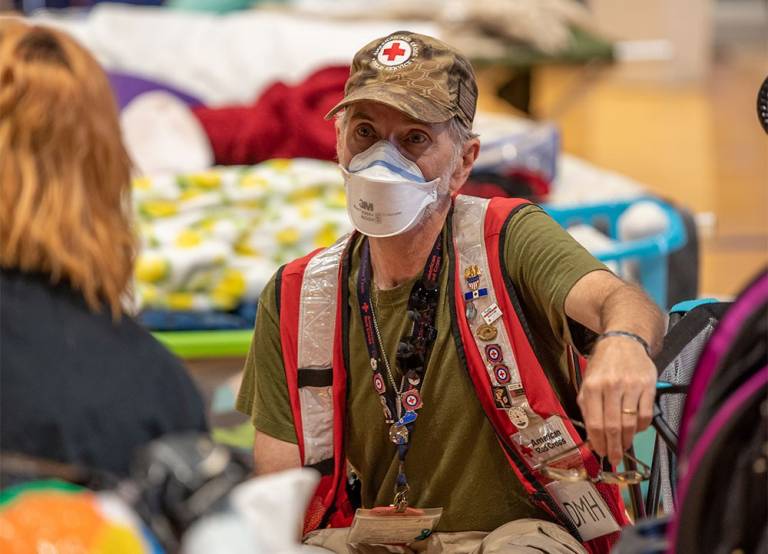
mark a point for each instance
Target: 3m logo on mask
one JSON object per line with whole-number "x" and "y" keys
{"x": 365, "y": 205}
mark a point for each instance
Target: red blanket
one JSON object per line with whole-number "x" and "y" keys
{"x": 285, "y": 122}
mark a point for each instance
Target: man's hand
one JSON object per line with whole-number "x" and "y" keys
{"x": 620, "y": 378}
{"x": 616, "y": 397}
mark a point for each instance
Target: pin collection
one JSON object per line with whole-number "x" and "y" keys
{"x": 504, "y": 390}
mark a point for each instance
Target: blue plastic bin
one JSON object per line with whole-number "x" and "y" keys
{"x": 650, "y": 253}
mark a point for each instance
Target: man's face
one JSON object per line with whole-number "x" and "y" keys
{"x": 428, "y": 145}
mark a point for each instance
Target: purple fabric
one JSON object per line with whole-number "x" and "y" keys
{"x": 717, "y": 345}
{"x": 127, "y": 87}
{"x": 723, "y": 415}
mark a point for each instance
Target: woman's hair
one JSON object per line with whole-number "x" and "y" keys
{"x": 64, "y": 172}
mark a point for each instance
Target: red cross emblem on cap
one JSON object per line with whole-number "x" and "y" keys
{"x": 394, "y": 52}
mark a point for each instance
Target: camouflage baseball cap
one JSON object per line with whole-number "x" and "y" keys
{"x": 416, "y": 74}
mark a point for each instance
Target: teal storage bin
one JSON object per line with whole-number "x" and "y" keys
{"x": 649, "y": 253}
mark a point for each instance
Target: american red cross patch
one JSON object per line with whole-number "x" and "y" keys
{"x": 394, "y": 52}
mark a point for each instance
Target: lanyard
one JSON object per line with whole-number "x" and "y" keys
{"x": 400, "y": 404}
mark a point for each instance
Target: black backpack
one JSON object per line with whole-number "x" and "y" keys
{"x": 714, "y": 438}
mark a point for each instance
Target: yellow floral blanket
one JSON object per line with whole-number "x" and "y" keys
{"x": 211, "y": 240}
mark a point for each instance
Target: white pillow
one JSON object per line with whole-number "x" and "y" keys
{"x": 163, "y": 135}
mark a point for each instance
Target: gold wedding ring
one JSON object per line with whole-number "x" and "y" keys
{"x": 628, "y": 411}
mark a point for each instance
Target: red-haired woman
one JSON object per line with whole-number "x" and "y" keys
{"x": 80, "y": 381}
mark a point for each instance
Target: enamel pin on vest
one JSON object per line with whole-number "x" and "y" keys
{"x": 486, "y": 333}
{"x": 472, "y": 276}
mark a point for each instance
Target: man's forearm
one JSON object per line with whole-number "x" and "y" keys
{"x": 628, "y": 308}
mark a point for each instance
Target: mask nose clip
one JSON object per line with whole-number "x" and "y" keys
{"x": 388, "y": 158}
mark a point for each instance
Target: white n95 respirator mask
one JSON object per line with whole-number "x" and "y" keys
{"x": 386, "y": 192}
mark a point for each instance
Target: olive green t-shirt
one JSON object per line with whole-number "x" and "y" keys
{"x": 455, "y": 461}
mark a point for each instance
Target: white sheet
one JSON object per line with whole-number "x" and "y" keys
{"x": 222, "y": 59}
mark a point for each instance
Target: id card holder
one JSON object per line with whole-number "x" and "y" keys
{"x": 386, "y": 526}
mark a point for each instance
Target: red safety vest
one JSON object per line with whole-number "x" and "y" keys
{"x": 313, "y": 298}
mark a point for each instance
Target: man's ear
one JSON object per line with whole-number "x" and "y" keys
{"x": 469, "y": 153}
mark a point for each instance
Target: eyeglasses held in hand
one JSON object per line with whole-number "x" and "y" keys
{"x": 628, "y": 477}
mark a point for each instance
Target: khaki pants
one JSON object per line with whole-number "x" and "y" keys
{"x": 523, "y": 536}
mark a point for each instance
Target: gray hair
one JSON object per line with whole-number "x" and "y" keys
{"x": 460, "y": 133}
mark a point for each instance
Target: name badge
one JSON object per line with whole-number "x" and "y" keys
{"x": 585, "y": 507}
{"x": 545, "y": 441}
{"x": 385, "y": 526}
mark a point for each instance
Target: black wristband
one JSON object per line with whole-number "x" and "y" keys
{"x": 633, "y": 336}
